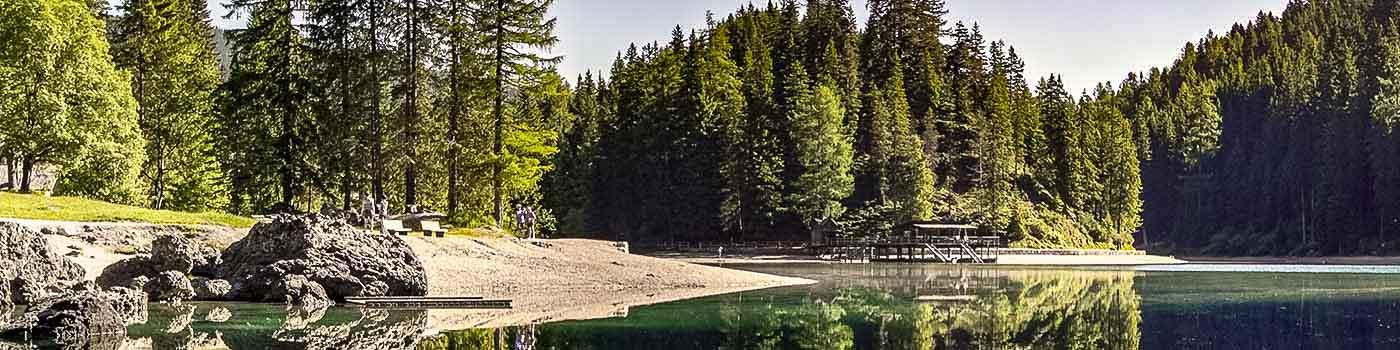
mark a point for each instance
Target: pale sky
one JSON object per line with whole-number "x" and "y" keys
{"x": 1087, "y": 41}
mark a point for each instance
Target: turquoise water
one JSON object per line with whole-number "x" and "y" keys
{"x": 893, "y": 307}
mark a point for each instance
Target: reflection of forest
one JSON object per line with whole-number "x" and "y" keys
{"x": 1020, "y": 309}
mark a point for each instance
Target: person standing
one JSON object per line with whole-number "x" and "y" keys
{"x": 519, "y": 218}
{"x": 530, "y": 221}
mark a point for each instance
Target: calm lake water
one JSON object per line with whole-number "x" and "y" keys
{"x": 894, "y": 307}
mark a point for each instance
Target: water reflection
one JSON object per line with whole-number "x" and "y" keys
{"x": 855, "y": 309}
{"x": 248, "y": 326}
{"x": 878, "y": 307}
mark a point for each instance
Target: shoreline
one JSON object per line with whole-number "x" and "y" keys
{"x": 1008, "y": 257}
{"x": 547, "y": 280}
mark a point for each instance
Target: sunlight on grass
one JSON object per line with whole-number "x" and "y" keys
{"x": 39, "y": 207}
{"x": 477, "y": 233}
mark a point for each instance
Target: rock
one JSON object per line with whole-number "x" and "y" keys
{"x": 124, "y": 273}
{"x": 76, "y": 320}
{"x": 170, "y": 286}
{"x": 297, "y": 290}
{"x": 177, "y": 253}
{"x": 210, "y": 289}
{"x": 345, "y": 261}
{"x": 130, "y": 304}
{"x": 25, "y": 256}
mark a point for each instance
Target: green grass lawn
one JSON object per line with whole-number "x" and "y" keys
{"x": 39, "y": 207}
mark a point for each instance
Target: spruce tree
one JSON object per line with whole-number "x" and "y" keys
{"x": 512, "y": 31}
{"x": 167, "y": 46}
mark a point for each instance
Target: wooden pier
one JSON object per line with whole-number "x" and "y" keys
{"x": 437, "y": 302}
{"x": 923, "y": 242}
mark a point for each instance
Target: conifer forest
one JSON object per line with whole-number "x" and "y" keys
{"x": 1276, "y": 137}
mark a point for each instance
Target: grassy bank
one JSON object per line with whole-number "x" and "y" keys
{"x": 39, "y": 207}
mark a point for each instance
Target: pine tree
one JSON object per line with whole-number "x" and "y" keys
{"x": 265, "y": 114}
{"x": 167, "y": 45}
{"x": 511, "y": 30}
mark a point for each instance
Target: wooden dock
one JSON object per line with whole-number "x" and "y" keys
{"x": 429, "y": 302}
{"x": 918, "y": 242}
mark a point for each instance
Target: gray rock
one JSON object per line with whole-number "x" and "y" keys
{"x": 86, "y": 319}
{"x": 170, "y": 286}
{"x": 130, "y": 304}
{"x": 177, "y": 253}
{"x": 25, "y": 256}
{"x": 340, "y": 258}
{"x": 297, "y": 290}
{"x": 211, "y": 289}
{"x": 124, "y": 273}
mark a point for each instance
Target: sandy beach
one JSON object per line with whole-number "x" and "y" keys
{"x": 555, "y": 280}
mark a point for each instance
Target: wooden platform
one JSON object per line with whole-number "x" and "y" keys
{"x": 429, "y": 302}
{"x": 916, "y": 242}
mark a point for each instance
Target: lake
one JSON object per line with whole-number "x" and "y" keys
{"x": 892, "y": 307}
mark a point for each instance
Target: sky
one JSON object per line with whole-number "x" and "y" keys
{"x": 1086, "y": 41}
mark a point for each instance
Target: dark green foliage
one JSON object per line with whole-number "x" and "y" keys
{"x": 1273, "y": 138}
{"x": 769, "y": 120}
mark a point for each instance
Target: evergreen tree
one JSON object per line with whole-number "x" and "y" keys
{"x": 512, "y": 30}
{"x": 167, "y": 46}
{"x": 266, "y": 109}
{"x": 823, "y": 152}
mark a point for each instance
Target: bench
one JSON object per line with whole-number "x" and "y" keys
{"x": 432, "y": 228}
{"x": 395, "y": 227}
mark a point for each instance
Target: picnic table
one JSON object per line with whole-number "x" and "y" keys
{"x": 428, "y": 223}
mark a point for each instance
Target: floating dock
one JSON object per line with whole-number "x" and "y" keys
{"x": 429, "y": 302}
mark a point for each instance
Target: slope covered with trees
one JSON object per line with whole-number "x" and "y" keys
{"x": 774, "y": 118}
{"x": 1276, "y": 137}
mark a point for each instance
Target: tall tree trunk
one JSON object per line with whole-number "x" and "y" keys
{"x": 288, "y": 123}
{"x": 158, "y": 184}
{"x": 376, "y": 120}
{"x": 27, "y": 172}
{"x": 500, "y": 101}
{"x": 10, "y": 170}
{"x": 453, "y": 122}
{"x": 410, "y": 172}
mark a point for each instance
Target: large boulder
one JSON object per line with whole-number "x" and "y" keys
{"x": 170, "y": 286}
{"x": 78, "y": 319}
{"x": 344, "y": 260}
{"x": 177, "y": 253}
{"x": 28, "y": 267}
{"x": 206, "y": 289}
{"x": 127, "y": 273}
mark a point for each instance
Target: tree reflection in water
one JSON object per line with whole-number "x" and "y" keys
{"x": 1020, "y": 309}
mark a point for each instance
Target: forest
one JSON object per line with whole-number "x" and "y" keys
{"x": 1274, "y": 138}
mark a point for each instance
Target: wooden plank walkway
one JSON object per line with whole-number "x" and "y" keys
{"x": 429, "y": 302}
